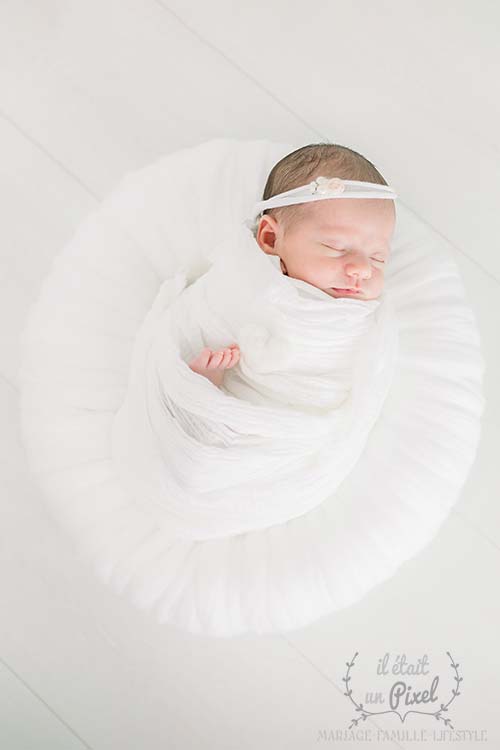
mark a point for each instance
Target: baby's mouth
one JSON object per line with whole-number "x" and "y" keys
{"x": 345, "y": 291}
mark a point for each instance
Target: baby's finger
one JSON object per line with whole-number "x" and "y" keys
{"x": 215, "y": 360}
{"x": 203, "y": 357}
{"x": 235, "y": 355}
{"x": 226, "y": 358}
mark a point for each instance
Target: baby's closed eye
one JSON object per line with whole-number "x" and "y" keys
{"x": 335, "y": 253}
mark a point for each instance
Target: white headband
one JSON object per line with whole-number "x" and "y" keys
{"x": 323, "y": 188}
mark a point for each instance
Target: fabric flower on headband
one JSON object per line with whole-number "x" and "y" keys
{"x": 325, "y": 185}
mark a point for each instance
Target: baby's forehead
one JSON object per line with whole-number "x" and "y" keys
{"x": 347, "y": 217}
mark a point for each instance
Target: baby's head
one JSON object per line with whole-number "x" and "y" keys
{"x": 333, "y": 244}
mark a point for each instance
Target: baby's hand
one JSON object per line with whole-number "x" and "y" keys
{"x": 212, "y": 364}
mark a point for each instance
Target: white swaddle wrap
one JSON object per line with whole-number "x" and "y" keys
{"x": 292, "y": 417}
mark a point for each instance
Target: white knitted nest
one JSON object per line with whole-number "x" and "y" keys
{"x": 76, "y": 354}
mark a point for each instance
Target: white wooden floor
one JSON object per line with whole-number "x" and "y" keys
{"x": 92, "y": 89}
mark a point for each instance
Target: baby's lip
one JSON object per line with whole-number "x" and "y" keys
{"x": 346, "y": 289}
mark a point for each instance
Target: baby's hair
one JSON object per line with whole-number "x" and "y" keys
{"x": 303, "y": 165}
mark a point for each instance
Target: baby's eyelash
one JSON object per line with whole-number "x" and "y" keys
{"x": 336, "y": 250}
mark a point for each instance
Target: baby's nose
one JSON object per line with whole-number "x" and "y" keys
{"x": 358, "y": 267}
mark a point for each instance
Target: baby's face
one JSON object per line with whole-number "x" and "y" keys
{"x": 337, "y": 245}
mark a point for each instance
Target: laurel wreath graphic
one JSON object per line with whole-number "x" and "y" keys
{"x": 437, "y": 714}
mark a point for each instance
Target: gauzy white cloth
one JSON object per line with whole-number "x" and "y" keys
{"x": 292, "y": 417}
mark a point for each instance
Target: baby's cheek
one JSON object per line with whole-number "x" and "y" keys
{"x": 303, "y": 270}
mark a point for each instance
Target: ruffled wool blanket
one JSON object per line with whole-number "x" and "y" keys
{"x": 292, "y": 417}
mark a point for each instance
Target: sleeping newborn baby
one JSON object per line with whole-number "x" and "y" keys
{"x": 297, "y": 289}
{"x": 340, "y": 246}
